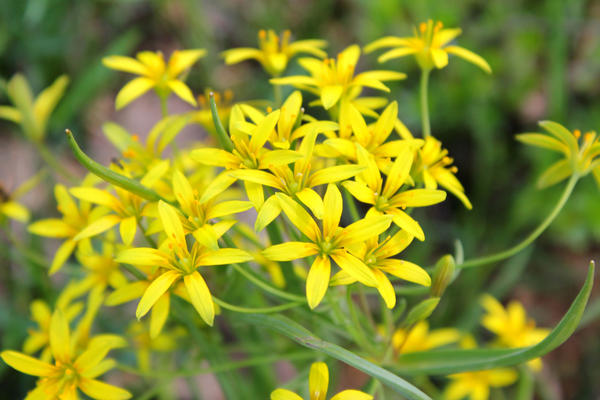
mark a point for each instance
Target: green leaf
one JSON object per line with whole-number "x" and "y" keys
{"x": 304, "y": 337}
{"x": 443, "y": 362}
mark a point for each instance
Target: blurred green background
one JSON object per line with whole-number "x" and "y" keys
{"x": 545, "y": 56}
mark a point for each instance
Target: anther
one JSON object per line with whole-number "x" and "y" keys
{"x": 577, "y": 133}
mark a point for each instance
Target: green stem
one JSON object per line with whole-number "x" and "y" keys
{"x": 424, "y": 102}
{"x": 53, "y": 162}
{"x": 259, "y": 310}
{"x": 277, "y": 96}
{"x": 532, "y": 236}
{"x": 357, "y": 334}
{"x": 351, "y": 206}
{"x": 222, "y": 136}
{"x": 163, "y": 106}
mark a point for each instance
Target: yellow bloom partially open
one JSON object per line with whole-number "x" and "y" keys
{"x": 421, "y": 338}
{"x": 318, "y": 384}
{"x": 71, "y": 370}
{"x": 429, "y": 45}
{"x": 476, "y": 385}
{"x": 164, "y": 77}
{"x": 274, "y": 52}
{"x": 581, "y": 152}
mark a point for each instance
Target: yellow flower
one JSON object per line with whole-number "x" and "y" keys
{"x": 154, "y": 73}
{"x": 378, "y": 256}
{"x": 201, "y": 209}
{"x": 70, "y": 371}
{"x": 12, "y": 209}
{"x": 434, "y": 167}
{"x": 179, "y": 263}
{"x": 389, "y": 198}
{"x": 581, "y": 152}
{"x": 429, "y": 45}
{"x": 373, "y": 137}
{"x": 329, "y": 243}
{"x": 420, "y": 338}
{"x": 297, "y": 183}
{"x": 274, "y": 52}
{"x": 32, "y": 114}
{"x": 476, "y": 384}
{"x": 248, "y": 151}
{"x": 512, "y": 327}
{"x": 318, "y": 384}
{"x": 75, "y": 219}
{"x": 334, "y": 79}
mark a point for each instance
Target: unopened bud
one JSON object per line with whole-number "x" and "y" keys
{"x": 442, "y": 275}
{"x": 421, "y": 311}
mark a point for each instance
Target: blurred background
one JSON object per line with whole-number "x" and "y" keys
{"x": 545, "y": 55}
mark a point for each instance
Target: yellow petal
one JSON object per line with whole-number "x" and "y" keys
{"x": 257, "y": 176}
{"x": 183, "y": 191}
{"x": 200, "y": 296}
{"x": 255, "y": 194}
{"x": 360, "y": 191}
{"x": 371, "y": 175}
{"x": 502, "y": 377}
{"x": 156, "y": 289}
{"x": 557, "y": 172}
{"x": 142, "y": 256}
{"x": 317, "y": 283}
{"x": 102, "y": 391}
{"x": 97, "y": 196}
{"x": 217, "y": 186}
{"x": 544, "y": 141}
{"x": 330, "y": 95}
{"x": 354, "y": 267}
{"x": 406, "y": 222}
{"x": 396, "y": 53}
{"x": 405, "y": 270}
{"x": 132, "y": 90}
{"x": 228, "y": 208}
{"x": 279, "y": 157}
{"x": 284, "y": 394}
{"x": 62, "y": 255}
{"x": 155, "y": 173}
{"x": 46, "y": 101}
{"x": 171, "y": 223}
{"x": 469, "y": 56}
{"x": 14, "y": 210}
{"x": 439, "y": 57}
{"x": 51, "y": 227}
{"x": 332, "y": 211}
{"x": 387, "y": 41}
{"x": 398, "y": 172}
{"x": 26, "y": 364}
{"x": 263, "y": 130}
{"x": 299, "y": 217}
{"x": 312, "y": 200}
{"x": 418, "y": 198}
{"x": 206, "y": 237}
{"x": 290, "y": 251}
{"x": 223, "y": 257}
{"x": 351, "y": 394}
{"x": 60, "y": 338}
{"x": 159, "y": 315}
{"x": 127, "y": 230}
{"x": 267, "y": 213}
{"x": 181, "y": 60}
{"x": 394, "y": 245}
{"x": 126, "y": 64}
{"x": 154, "y": 61}
{"x": 385, "y": 288}
{"x": 10, "y": 114}
{"x": 364, "y": 229}
{"x": 98, "y": 226}
{"x": 318, "y": 380}
{"x": 182, "y": 91}
{"x": 334, "y": 174}
{"x": 234, "y": 56}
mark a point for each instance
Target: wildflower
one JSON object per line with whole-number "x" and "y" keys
{"x": 333, "y": 80}
{"x": 297, "y": 183}
{"x": 511, "y": 326}
{"x": 11, "y": 208}
{"x": 378, "y": 256}
{"x": 248, "y": 150}
{"x": 318, "y": 384}
{"x": 180, "y": 263}
{"x": 74, "y": 219}
{"x": 581, "y": 152}
{"x": 434, "y": 167}
{"x": 32, "y": 114}
{"x": 388, "y": 198}
{"x": 476, "y": 384}
{"x": 329, "y": 243}
{"x": 154, "y": 73}
{"x": 371, "y": 137}
{"x": 201, "y": 209}
{"x": 420, "y": 338}
{"x": 275, "y": 52}
{"x": 429, "y": 45}
{"x": 70, "y": 371}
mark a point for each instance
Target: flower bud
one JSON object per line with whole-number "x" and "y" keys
{"x": 442, "y": 275}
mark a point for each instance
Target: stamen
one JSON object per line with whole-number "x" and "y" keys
{"x": 577, "y": 133}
